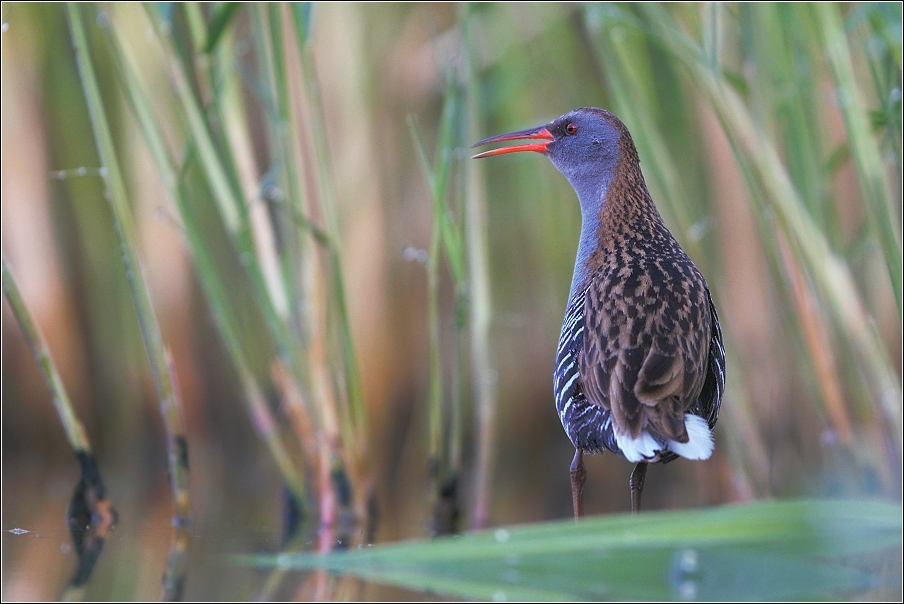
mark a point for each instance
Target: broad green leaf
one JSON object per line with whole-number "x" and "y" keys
{"x": 758, "y": 551}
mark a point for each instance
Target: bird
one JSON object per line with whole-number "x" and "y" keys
{"x": 640, "y": 365}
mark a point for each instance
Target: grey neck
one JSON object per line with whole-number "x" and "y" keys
{"x": 592, "y": 197}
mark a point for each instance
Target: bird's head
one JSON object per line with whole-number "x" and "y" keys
{"x": 585, "y": 145}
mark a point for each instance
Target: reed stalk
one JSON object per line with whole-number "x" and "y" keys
{"x": 357, "y": 437}
{"x": 445, "y": 241}
{"x": 162, "y": 371}
{"x": 291, "y": 170}
{"x": 480, "y": 306}
{"x": 90, "y": 515}
{"x": 168, "y": 397}
{"x": 434, "y": 354}
{"x": 75, "y": 431}
{"x": 336, "y": 433}
{"x": 351, "y": 416}
{"x": 233, "y": 211}
{"x": 884, "y": 216}
{"x": 215, "y": 289}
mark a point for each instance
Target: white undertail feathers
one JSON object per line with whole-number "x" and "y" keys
{"x": 645, "y": 448}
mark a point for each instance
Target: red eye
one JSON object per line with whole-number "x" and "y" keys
{"x": 571, "y": 129}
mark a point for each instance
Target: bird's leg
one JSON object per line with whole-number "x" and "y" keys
{"x": 578, "y": 475}
{"x": 636, "y": 484}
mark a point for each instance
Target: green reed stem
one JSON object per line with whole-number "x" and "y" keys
{"x": 299, "y": 264}
{"x": 884, "y": 218}
{"x": 233, "y": 211}
{"x": 480, "y": 309}
{"x": 90, "y": 493}
{"x": 435, "y": 378}
{"x": 355, "y": 427}
{"x": 75, "y": 431}
{"x": 213, "y": 283}
{"x": 197, "y": 30}
{"x": 289, "y": 235}
{"x": 158, "y": 358}
{"x": 442, "y": 230}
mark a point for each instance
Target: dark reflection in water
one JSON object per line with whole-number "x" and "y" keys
{"x": 135, "y": 555}
{"x": 247, "y": 514}
{"x": 91, "y": 519}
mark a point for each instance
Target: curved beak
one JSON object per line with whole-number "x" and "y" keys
{"x": 540, "y": 133}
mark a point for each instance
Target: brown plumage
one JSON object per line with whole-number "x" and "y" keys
{"x": 644, "y": 357}
{"x": 640, "y": 365}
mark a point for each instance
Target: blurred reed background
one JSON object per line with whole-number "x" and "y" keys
{"x": 357, "y": 317}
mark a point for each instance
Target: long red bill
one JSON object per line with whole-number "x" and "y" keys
{"x": 531, "y": 133}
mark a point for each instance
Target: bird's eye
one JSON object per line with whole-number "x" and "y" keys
{"x": 571, "y": 129}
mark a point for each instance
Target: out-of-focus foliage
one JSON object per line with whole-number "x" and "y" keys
{"x": 713, "y": 554}
{"x": 282, "y": 216}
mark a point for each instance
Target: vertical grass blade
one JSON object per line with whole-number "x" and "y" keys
{"x": 212, "y": 281}
{"x": 75, "y": 431}
{"x": 219, "y": 22}
{"x": 168, "y": 397}
{"x": 884, "y": 215}
{"x": 90, "y": 514}
{"x": 291, "y": 171}
{"x": 357, "y": 441}
{"x": 233, "y": 211}
{"x": 299, "y": 266}
{"x": 443, "y": 457}
{"x": 231, "y": 207}
{"x": 818, "y": 344}
{"x": 481, "y": 308}
{"x": 434, "y": 356}
{"x": 162, "y": 371}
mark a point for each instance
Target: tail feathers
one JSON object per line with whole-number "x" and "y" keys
{"x": 638, "y": 449}
{"x": 700, "y": 442}
{"x": 646, "y": 447}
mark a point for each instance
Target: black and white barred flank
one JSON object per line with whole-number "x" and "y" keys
{"x": 589, "y": 426}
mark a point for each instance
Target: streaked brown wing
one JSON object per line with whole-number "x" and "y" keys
{"x": 645, "y": 348}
